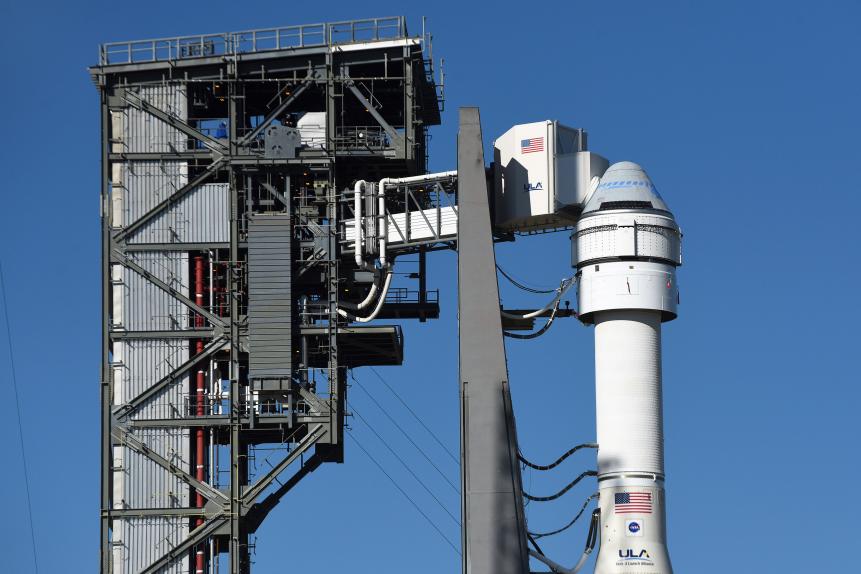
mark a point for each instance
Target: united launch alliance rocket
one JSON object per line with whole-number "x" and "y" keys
{"x": 626, "y": 248}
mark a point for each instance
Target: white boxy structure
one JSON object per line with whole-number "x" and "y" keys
{"x": 543, "y": 176}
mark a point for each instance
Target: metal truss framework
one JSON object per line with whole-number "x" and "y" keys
{"x": 392, "y": 83}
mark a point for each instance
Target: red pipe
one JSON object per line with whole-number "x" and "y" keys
{"x": 200, "y": 397}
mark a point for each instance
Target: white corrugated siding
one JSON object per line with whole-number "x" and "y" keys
{"x": 139, "y": 364}
{"x": 200, "y": 216}
{"x": 147, "y": 307}
{"x": 143, "y": 132}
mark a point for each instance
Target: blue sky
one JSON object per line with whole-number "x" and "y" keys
{"x": 745, "y": 115}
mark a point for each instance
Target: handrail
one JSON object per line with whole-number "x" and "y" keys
{"x": 251, "y": 41}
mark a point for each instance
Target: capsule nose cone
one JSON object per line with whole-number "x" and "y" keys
{"x": 625, "y": 185}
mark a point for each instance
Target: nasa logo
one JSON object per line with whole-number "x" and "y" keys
{"x": 532, "y": 186}
{"x": 634, "y": 527}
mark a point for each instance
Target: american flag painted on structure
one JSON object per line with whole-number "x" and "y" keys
{"x": 633, "y": 502}
{"x": 532, "y": 145}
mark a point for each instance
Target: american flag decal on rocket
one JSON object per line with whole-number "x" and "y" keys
{"x": 633, "y": 503}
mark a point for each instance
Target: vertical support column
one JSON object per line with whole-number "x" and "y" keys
{"x": 199, "y": 398}
{"x": 331, "y": 117}
{"x": 238, "y": 536}
{"x": 105, "y": 368}
{"x": 409, "y": 96}
{"x": 493, "y": 524}
{"x": 336, "y": 373}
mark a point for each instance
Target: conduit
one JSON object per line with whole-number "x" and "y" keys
{"x": 566, "y": 284}
{"x": 199, "y": 399}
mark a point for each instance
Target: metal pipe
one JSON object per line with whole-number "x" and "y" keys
{"x": 382, "y": 225}
{"x": 566, "y": 284}
{"x": 357, "y": 208}
{"x": 380, "y": 301}
{"x": 199, "y": 398}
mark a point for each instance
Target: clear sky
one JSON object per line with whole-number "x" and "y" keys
{"x": 745, "y": 115}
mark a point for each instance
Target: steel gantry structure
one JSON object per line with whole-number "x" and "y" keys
{"x": 257, "y": 188}
{"x": 232, "y": 278}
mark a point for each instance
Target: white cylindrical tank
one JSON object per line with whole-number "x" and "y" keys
{"x": 628, "y": 391}
{"x": 626, "y": 248}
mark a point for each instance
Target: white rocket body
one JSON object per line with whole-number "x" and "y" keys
{"x": 626, "y": 248}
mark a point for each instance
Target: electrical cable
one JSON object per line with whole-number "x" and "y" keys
{"x": 20, "y": 425}
{"x": 404, "y": 464}
{"x": 534, "y": 543}
{"x": 570, "y": 485}
{"x": 408, "y": 437}
{"x": 417, "y": 417}
{"x": 563, "y": 287}
{"x": 407, "y": 496}
{"x": 517, "y": 283}
{"x": 539, "y": 332}
{"x": 538, "y": 535}
{"x": 558, "y": 460}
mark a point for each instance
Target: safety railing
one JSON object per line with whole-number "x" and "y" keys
{"x": 401, "y": 295}
{"x": 250, "y": 41}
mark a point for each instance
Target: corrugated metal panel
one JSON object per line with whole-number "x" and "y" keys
{"x": 138, "y": 542}
{"x": 142, "y": 482}
{"x": 149, "y": 182}
{"x": 137, "y": 365}
{"x": 143, "y": 132}
{"x": 201, "y": 216}
{"x": 270, "y": 301}
{"x": 145, "y": 306}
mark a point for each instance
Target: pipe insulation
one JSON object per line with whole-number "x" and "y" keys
{"x": 628, "y": 392}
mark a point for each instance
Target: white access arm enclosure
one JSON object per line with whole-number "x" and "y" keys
{"x": 543, "y": 176}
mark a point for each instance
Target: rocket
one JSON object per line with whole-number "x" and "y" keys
{"x": 626, "y": 247}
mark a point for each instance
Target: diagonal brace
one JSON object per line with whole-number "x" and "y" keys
{"x": 303, "y": 445}
{"x": 169, "y": 201}
{"x": 124, "y": 437}
{"x": 125, "y": 410}
{"x": 127, "y": 261}
{"x": 279, "y": 110}
{"x": 196, "y": 536}
{"x": 396, "y": 138}
{"x": 136, "y": 101}
{"x": 261, "y": 510}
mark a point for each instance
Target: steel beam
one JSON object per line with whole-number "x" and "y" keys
{"x": 184, "y": 247}
{"x": 309, "y": 79}
{"x": 136, "y": 101}
{"x": 196, "y": 536}
{"x": 183, "y": 334}
{"x": 494, "y": 527}
{"x": 127, "y": 409}
{"x": 127, "y": 261}
{"x": 152, "y": 512}
{"x": 261, "y": 510}
{"x": 260, "y": 421}
{"x": 125, "y": 437}
{"x": 169, "y": 201}
{"x": 301, "y": 447}
{"x": 396, "y": 138}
